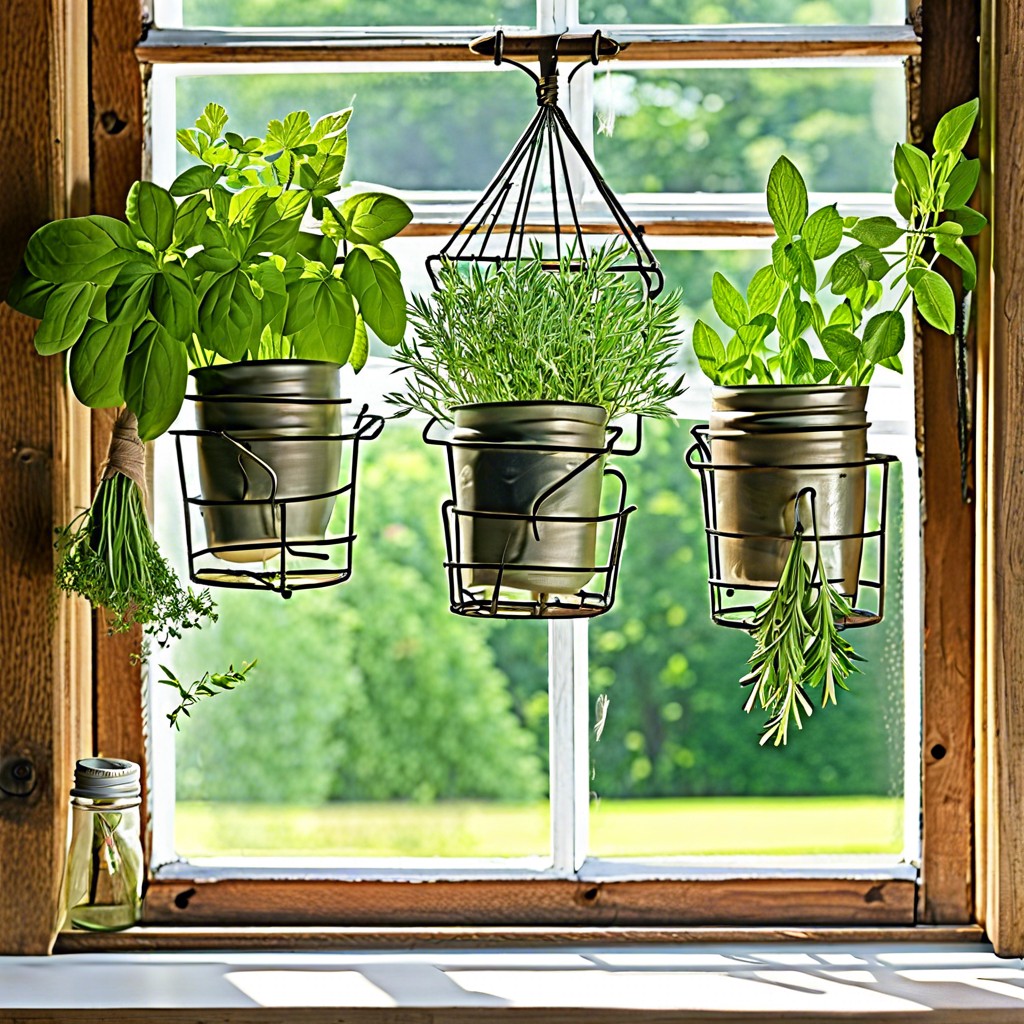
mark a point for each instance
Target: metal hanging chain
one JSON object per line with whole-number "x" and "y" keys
{"x": 504, "y": 207}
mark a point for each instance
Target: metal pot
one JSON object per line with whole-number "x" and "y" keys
{"x": 521, "y": 470}
{"x": 788, "y": 432}
{"x": 255, "y": 403}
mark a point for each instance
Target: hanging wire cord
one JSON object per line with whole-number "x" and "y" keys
{"x": 496, "y": 228}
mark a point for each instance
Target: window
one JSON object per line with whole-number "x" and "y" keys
{"x": 684, "y": 226}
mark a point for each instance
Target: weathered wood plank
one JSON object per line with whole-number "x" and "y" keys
{"x": 1003, "y": 572}
{"x": 34, "y": 440}
{"x": 945, "y": 75}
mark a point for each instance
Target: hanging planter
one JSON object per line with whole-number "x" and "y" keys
{"x": 791, "y": 494}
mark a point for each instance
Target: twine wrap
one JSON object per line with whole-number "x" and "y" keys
{"x": 127, "y": 453}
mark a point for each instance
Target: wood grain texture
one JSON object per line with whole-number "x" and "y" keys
{"x": 409, "y": 45}
{"x": 35, "y": 632}
{"x": 945, "y": 75}
{"x": 780, "y": 901}
{"x": 118, "y": 133}
{"x": 284, "y": 938}
{"x": 1003, "y": 573}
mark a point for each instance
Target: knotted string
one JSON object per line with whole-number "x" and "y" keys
{"x": 127, "y": 453}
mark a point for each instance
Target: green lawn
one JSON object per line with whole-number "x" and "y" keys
{"x": 683, "y": 827}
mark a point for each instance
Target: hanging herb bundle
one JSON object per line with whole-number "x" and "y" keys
{"x": 108, "y": 554}
{"x": 798, "y": 645}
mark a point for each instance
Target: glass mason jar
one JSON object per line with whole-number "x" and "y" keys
{"x": 103, "y": 877}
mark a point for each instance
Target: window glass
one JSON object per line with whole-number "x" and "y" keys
{"x": 724, "y": 12}
{"x": 720, "y": 130}
{"x": 358, "y": 12}
{"x": 409, "y": 130}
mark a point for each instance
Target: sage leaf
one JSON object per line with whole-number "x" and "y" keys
{"x": 374, "y": 217}
{"x": 955, "y": 249}
{"x": 954, "y": 127}
{"x": 64, "y": 318}
{"x": 710, "y": 352}
{"x": 728, "y": 303}
{"x": 80, "y": 249}
{"x": 787, "y": 197}
{"x": 823, "y": 232}
{"x": 764, "y": 291}
{"x": 963, "y": 180}
{"x": 378, "y": 290}
{"x": 883, "y": 336}
{"x": 155, "y": 375}
{"x": 150, "y": 212}
{"x": 96, "y": 364}
{"x": 933, "y": 298}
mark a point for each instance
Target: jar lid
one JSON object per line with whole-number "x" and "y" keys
{"x": 107, "y": 778}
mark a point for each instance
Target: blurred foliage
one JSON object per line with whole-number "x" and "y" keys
{"x": 373, "y": 690}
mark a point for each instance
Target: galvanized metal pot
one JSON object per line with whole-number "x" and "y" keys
{"x": 797, "y": 436}
{"x": 233, "y": 398}
{"x": 520, "y": 460}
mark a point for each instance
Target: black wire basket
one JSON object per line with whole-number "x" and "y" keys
{"x": 733, "y": 602}
{"x": 497, "y": 599}
{"x": 288, "y": 563}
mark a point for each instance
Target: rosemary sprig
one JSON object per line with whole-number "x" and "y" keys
{"x": 210, "y": 685}
{"x": 798, "y": 645}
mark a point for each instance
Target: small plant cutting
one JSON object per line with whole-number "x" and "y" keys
{"x": 530, "y": 362}
{"x": 788, "y": 428}
{"x": 211, "y": 684}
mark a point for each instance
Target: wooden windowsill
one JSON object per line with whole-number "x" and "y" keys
{"x": 881, "y": 983}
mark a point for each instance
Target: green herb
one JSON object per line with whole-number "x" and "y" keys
{"x": 209, "y": 686}
{"x": 218, "y": 267}
{"x": 531, "y": 331}
{"x": 108, "y": 556}
{"x": 798, "y": 645}
{"x": 772, "y": 320}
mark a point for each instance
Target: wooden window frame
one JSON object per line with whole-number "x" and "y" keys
{"x": 972, "y": 859}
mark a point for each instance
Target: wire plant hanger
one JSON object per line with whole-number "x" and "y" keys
{"x": 496, "y": 228}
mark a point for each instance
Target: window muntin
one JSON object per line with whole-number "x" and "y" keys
{"x": 743, "y": 12}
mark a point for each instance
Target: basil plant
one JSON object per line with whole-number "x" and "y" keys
{"x": 780, "y": 309}
{"x": 218, "y": 267}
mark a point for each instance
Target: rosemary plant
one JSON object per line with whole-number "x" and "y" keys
{"x": 533, "y": 331}
{"x": 798, "y": 645}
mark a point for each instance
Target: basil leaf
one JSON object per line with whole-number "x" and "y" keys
{"x": 229, "y": 316}
{"x": 842, "y": 346}
{"x": 329, "y": 336}
{"x": 80, "y": 249}
{"x": 155, "y": 375}
{"x": 196, "y": 179}
{"x": 764, "y": 291}
{"x": 787, "y": 197}
{"x": 28, "y": 294}
{"x": 96, "y": 365}
{"x": 128, "y": 304}
{"x": 301, "y": 294}
{"x": 150, "y": 212}
{"x": 173, "y": 302}
{"x": 970, "y": 220}
{"x": 189, "y": 219}
{"x": 378, "y": 290}
{"x": 903, "y": 201}
{"x": 64, "y": 318}
{"x": 374, "y": 216}
{"x": 276, "y": 225}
